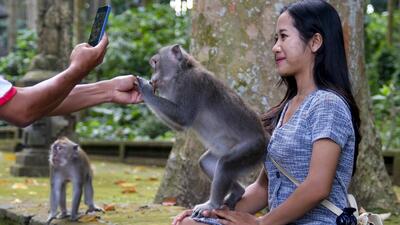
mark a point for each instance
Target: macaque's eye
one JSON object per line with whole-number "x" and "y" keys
{"x": 57, "y": 148}
{"x": 154, "y": 61}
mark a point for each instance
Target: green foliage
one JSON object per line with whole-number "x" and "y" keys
{"x": 134, "y": 36}
{"x": 387, "y": 109}
{"x": 383, "y": 71}
{"x": 17, "y": 62}
{"x": 125, "y": 123}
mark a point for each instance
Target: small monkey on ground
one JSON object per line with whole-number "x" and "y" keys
{"x": 192, "y": 97}
{"x": 68, "y": 162}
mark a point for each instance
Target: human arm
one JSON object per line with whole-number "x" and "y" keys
{"x": 32, "y": 103}
{"x": 121, "y": 90}
{"x": 253, "y": 200}
{"x": 315, "y": 188}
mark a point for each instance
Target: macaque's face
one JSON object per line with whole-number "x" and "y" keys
{"x": 62, "y": 151}
{"x": 165, "y": 65}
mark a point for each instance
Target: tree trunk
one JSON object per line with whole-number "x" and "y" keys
{"x": 79, "y": 22}
{"x": 12, "y": 25}
{"x": 234, "y": 40}
{"x": 31, "y": 14}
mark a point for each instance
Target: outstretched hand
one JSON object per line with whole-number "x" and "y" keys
{"x": 124, "y": 90}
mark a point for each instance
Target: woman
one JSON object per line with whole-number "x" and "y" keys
{"x": 315, "y": 128}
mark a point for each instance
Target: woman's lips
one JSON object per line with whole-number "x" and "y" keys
{"x": 279, "y": 60}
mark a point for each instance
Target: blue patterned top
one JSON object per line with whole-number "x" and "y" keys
{"x": 322, "y": 114}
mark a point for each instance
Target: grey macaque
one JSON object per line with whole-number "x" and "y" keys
{"x": 68, "y": 162}
{"x": 191, "y": 97}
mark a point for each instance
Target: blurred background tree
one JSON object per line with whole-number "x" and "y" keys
{"x": 382, "y": 55}
{"x": 138, "y": 28}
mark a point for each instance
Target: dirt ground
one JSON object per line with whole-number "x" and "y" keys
{"x": 125, "y": 192}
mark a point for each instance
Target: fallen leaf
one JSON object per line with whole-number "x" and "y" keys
{"x": 32, "y": 193}
{"x": 138, "y": 178}
{"x": 127, "y": 185}
{"x": 138, "y": 169}
{"x": 88, "y": 218}
{"x": 171, "y": 201}
{"x": 118, "y": 182}
{"x": 2, "y": 181}
{"x": 129, "y": 190}
{"x": 31, "y": 182}
{"x": 10, "y": 157}
{"x": 19, "y": 186}
{"x": 110, "y": 207}
{"x": 153, "y": 179}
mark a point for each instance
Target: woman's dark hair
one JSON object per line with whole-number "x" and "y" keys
{"x": 330, "y": 67}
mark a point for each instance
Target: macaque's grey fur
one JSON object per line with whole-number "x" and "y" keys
{"x": 68, "y": 162}
{"x": 191, "y": 97}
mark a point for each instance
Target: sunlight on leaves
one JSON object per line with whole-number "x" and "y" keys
{"x": 19, "y": 186}
{"x": 9, "y": 157}
{"x": 16, "y": 201}
{"x": 32, "y": 182}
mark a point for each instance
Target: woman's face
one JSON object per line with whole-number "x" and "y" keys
{"x": 292, "y": 55}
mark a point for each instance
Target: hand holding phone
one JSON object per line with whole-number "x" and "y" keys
{"x": 99, "y": 25}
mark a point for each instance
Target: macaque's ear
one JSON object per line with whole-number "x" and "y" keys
{"x": 176, "y": 50}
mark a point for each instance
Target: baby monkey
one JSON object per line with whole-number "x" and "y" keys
{"x": 68, "y": 162}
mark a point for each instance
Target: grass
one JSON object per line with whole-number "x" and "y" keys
{"x": 128, "y": 189}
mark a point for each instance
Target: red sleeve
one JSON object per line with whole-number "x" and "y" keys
{"x": 8, "y": 96}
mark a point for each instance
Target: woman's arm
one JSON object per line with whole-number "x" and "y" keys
{"x": 315, "y": 188}
{"x": 253, "y": 200}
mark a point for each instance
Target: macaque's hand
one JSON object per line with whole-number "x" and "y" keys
{"x": 85, "y": 57}
{"x": 124, "y": 90}
{"x": 145, "y": 88}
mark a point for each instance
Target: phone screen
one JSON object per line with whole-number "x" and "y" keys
{"x": 99, "y": 25}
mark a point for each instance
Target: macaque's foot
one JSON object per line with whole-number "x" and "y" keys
{"x": 63, "y": 215}
{"x": 50, "y": 218}
{"x": 75, "y": 217}
{"x": 94, "y": 208}
{"x": 199, "y": 209}
{"x": 233, "y": 198}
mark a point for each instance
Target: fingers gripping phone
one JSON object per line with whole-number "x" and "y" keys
{"x": 99, "y": 25}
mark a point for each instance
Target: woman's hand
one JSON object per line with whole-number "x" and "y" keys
{"x": 236, "y": 218}
{"x": 180, "y": 217}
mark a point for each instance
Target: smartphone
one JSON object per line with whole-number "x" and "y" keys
{"x": 99, "y": 25}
